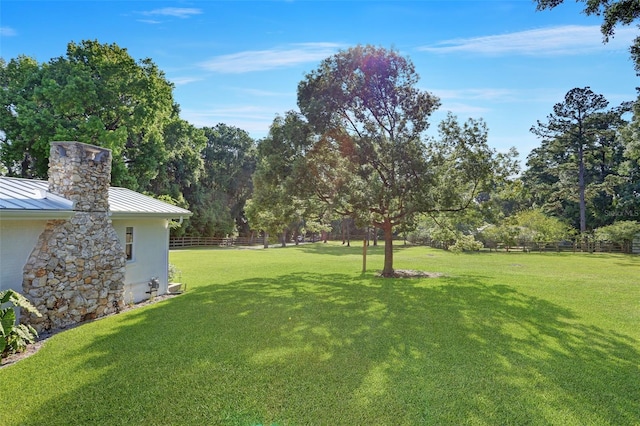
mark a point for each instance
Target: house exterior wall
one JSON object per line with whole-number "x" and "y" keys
{"x": 19, "y": 237}
{"x": 17, "y": 240}
{"x": 150, "y": 256}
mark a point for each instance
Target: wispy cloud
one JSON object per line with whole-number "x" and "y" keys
{"x": 7, "y": 32}
{"x": 261, "y": 60}
{"x": 487, "y": 94}
{"x": 254, "y": 119}
{"x": 177, "y": 12}
{"x": 181, "y": 81}
{"x": 563, "y": 40}
{"x": 463, "y": 108}
{"x": 500, "y": 95}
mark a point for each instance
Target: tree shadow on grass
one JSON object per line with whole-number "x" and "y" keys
{"x": 339, "y": 349}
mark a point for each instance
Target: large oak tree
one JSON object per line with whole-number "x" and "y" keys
{"x": 365, "y": 107}
{"x": 96, "y": 93}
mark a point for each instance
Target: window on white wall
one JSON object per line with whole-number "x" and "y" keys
{"x": 128, "y": 246}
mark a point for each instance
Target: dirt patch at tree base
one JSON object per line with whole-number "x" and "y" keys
{"x": 410, "y": 273}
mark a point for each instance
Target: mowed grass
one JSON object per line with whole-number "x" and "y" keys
{"x": 299, "y": 336}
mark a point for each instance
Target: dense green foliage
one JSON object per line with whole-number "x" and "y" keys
{"x": 183, "y": 168}
{"x": 14, "y": 337}
{"x": 578, "y": 158}
{"x": 98, "y": 94}
{"x": 278, "y": 202}
{"x": 621, "y": 232}
{"x": 614, "y": 194}
{"x": 95, "y": 94}
{"x": 302, "y": 337}
{"x": 217, "y": 199}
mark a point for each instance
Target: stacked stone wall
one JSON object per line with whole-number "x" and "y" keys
{"x": 73, "y": 277}
{"x": 76, "y": 271}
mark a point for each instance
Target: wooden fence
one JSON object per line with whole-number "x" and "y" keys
{"x": 181, "y": 242}
{"x": 565, "y": 246}
{"x": 591, "y": 247}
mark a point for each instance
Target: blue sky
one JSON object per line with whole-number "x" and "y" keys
{"x": 239, "y": 62}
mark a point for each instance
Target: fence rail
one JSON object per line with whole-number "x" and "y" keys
{"x": 181, "y": 242}
{"x": 589, "y": 247}
{"x": 592, "y": 247}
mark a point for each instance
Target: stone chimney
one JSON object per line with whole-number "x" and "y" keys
{"x": 81, "y": 173}
{"x": 76, "y": 271}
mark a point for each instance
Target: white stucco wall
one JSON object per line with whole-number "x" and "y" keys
{"x": 17, "y": 240}
{"x": 151, "y": 251}
{"x": 150, "y": 256}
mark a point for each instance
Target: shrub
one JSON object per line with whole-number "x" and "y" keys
{"x": 14, "y": 337}
{"x": 622, "y": 232}
{"x": 174, "y": 273}
{"x": 466, "y": 243}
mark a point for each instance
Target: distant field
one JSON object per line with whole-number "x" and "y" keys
{"x": 298, "y": 336}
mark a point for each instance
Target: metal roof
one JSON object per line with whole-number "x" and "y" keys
{"x": 32, "y": 197}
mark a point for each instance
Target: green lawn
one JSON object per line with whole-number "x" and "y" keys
{"x": 298, "y": 336}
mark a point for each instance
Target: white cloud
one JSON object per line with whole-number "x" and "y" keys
{"x": 7, "y": 32}
{"x": 221, "y": 114}
{"x": 563, "y": 40}
{"x": 178, "y": 12}
{"x": 463, "y": 108}
{"x": 487, "y": 94}
{"x": 181, "y": 81}
{"x": 253, "y": 119}
{"x": 498, "y": 95}
{"x": 261, "y": 60}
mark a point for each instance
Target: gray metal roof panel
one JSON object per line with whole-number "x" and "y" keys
{"x": 123, "y": 200}
{"x": 28, "y": 194}
{"x": 31, "y": 195}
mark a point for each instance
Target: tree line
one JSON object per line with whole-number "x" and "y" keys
{"x": 354, "y": 153}
{"x": 98, "y": 94}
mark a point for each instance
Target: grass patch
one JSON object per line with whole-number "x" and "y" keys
{"x": 299, "y": 336}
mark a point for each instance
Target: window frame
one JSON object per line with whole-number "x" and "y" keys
{"x": 129, "y": 243}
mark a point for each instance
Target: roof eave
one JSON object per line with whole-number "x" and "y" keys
{"x": 139, "y": 215}
{"x": 24, "y": 214}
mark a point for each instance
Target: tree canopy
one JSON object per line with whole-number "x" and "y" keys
{"x": 280, "y": 198}
{"x": 95, "y": 94}
{"x": 364, "y": 106}
{"x": 218, "y": 197}
{"x": 579, "y": 155}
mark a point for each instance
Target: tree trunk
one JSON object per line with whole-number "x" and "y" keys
{"x": 266, "y": 240}
{"x": 284, "y": 238}
{"x": 364, "y": 255}
{"x": 581, "y": 189}
{"x": 388, "y": 249}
